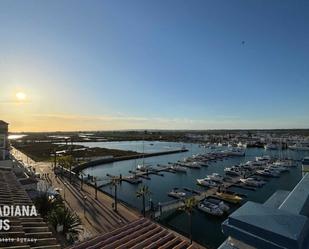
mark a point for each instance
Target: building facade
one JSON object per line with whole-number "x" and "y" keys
{"x": 4, "y": 145}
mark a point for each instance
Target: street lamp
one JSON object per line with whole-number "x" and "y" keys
{"x": 85, "y": 199}
{"x": 81, "y": 181}
{"x": 64, "y": 184}
{"x": 95, "y": 188}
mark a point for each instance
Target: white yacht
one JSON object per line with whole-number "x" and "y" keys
{"x": 263, "y": 159}
{"x": 178, "y": 168}
{"x": 177, "y": 194}
{"x": 215, "y": 177}
{"x": 221, "y": 204}
{"x": 252, "y": 182}
{"x": 206, "y": 182}
{"x": 233, "y": 171}
{"x": 236, "y": 152}
{"x": 300, "y": 146}
{"x": 272, "y": 146}
{"x": 210, "y": 208}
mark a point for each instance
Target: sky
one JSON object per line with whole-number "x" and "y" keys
{"x": 157, "y": 64}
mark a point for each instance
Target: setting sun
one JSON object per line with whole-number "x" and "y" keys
{"x": 21, "y": 96}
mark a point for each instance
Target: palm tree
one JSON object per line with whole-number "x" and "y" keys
{"x": 45, "y": 204}
{"x": 188, "y": 207}
{"x": 67, "y": 162}
{"x": 62, "y": 216}
{"x": 115, "y": 181}
{"x": 142, "y": 193}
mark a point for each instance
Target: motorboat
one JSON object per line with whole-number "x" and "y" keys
{"x": 206, "y": 182}
{"x": 229, "y": 197}
{"x": 284, "y": 163}
{"x": 268, "y": 173}
{"x": 233, "y": 171}
{"x": 300, "y": 146}
{"x": 215, "y": 177}
{"x": 252, "y": 182}
{"x": 263, "y": 158}
{"x": 210, "y": 208}
{"x": 278, "y": 168}
{"x": 177, "y": 194}
{"x": 221, "y": 204}
{"x": 272, "y": 146}
{"x": 179, "y": 168}
{"x": 191, "y": 165}
{"x": 235, "y": 152}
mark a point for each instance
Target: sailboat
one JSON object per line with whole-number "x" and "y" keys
{"x": 143, "y": 167}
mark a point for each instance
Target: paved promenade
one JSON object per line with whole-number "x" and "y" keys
{"x": 97, "y": 216}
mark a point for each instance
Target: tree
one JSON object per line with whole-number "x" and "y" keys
{"x": 66, "y": 162}
{"x": 115, "y": 181}
{"x": 62, "y": 216}
{"x": 142, "y": 193}
{"x": 45, "y": 204}
{"x": 188, "y": 207}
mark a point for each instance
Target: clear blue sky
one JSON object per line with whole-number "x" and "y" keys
{"x": 155, "y": 64}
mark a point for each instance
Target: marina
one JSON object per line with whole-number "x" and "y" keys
{"x": 162, "y": 179}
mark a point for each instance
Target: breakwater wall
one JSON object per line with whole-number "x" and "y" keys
{"x": 85, "y": 165}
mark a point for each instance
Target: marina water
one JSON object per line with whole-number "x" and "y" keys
{"x": 206, "y": 228}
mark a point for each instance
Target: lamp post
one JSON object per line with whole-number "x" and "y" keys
{"x": 64, "y": 187}
{"x": 95, "y": 188}
{"x": 85, "y": 199}
{"x": 81, "y": 181}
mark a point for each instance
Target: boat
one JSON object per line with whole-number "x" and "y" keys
{"x": 235, "y": 152}
{"x": 304, "y": 146}
{"x": 215, "y": 177}
{"x": 252, "y": 182}
{"x": 272, "y": 146}
{"x": 199, "y": 164}
{"x": 268, "y": 172}
{"x": 191, "y": 165}
{"x": 179, "y": 168}
{"x": 210, "y": 208}
{"x": 206, "y": 182}
{"x": 278, "y": 168}
{"x": 229, "y": 197}
{"x": 284, "y": 163}
{"x": 233, "y": 171}
{"x": 263, "y": 158}
{"x": 221, "y": 204}
{"x": 143, "y": 167}
{"x": 177, "y": 194}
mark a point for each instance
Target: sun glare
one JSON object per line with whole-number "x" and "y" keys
{"x": 21, "y": 96}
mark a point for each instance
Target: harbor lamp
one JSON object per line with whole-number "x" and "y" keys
{"x": 95, "y": 188}
{"x": 64, "y": 187}
{"x": 85, "y": 199}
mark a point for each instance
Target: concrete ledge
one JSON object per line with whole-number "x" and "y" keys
{"x": 297, "y": 201}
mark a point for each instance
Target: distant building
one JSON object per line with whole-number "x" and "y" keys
{"x": 4, "y": 145}
{"x": 282, "y": 222}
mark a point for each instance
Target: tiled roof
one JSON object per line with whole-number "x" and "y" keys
{"x": 138, "y": 234}
{"x": 12, "y": 193}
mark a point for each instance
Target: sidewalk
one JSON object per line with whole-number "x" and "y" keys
{"x": 99, "y": 216}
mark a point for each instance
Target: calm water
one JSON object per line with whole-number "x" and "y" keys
{"x": 206, "y": 229}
